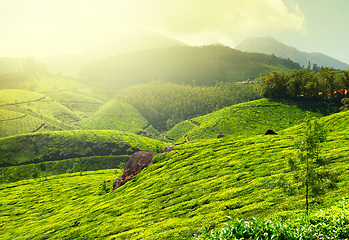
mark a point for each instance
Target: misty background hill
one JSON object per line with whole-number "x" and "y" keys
{"x": 70, "y": 64}
{"x": 270, "y": 45}
{"x": 204, "y": 65}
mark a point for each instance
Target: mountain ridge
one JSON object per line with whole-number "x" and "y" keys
{"x": 269, "y": 45}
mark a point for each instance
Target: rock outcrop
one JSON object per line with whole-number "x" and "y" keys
{"x": 168, "y": 148}
{"x": 137, "y": 162}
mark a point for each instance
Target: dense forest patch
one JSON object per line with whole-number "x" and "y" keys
{"x": 324, "y": 85}
{"x": 166, "y": 104}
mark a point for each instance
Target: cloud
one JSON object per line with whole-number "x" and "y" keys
{"x": 225, "y": 16}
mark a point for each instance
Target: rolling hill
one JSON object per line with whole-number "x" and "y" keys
{"x": 239, "y": 121}
{"x": 56, "y": 152}
{"x": 117, "y": 115}
{"x": 270, "y": 45}
{"x": 185, "y": 192}
{"x": 26, "y": 111}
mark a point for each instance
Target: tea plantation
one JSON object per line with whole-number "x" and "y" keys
{"x": 197, "y": 187}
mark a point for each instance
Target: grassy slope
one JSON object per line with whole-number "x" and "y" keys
{"x": 191, "y": 189}
{"x": 116, "y": 115}
{"x": 77, "y": 102}
{"x": 50, "y": 84}
{"x": 58, "y": 145}
{"x": 244, "y": 119}
{"x": 13, "y": 123}
{"x": 37, "y": 108}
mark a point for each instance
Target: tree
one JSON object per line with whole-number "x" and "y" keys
{"x": 345, "y": 107}
{"x": 310, "y": 174}
{"x": 274, "y": 85}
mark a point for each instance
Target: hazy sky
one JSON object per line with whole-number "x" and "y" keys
{"x": 42, "y": 28}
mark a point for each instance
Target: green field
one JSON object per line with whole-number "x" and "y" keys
{"x": 186, "y": 192}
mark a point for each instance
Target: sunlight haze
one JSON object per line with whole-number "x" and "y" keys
{"x": 42, "y": 28}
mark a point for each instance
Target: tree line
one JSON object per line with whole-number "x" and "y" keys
{"x": 165, "y": 104}
{"x": 326, "y": 84}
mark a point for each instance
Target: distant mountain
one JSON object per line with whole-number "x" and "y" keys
{"x": 181, "y": 64}
{"x": 70, "y": 64}
{"x": 270, "y": 45}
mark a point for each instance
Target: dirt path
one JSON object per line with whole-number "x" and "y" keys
{"x": 13, "y": 118}
{"x": 36, "y": 100}
{"x": 194, "y": 123}
{"x": 41, "y": 126}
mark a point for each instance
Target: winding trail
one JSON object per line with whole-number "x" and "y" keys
{"x": 41, "y": 126}
{"x": 194, "y": 123}
{"x": 13, "y": 118}
{"x": 36, "y": 100}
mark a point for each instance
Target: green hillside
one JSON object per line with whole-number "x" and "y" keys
{"x": 116, "y": 115}
{"x": 185, "y": 192}
{"x": 82, "y": 105}
{"x": 240, "y": 120}
{"x": 58, "y": 145}
{"x": 26, "y": 111}
{"x": 13, "y": 123}
{"x": 181, "y": 64}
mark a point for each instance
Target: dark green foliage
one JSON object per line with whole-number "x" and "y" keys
{"x": 52, "y": 146}
{"x": 181, "y": 65}
{"x": 345, "y": 102}
{"x": 165, "y": 104}
{"x": 49, "y": 168}
{"x": 325, "y": 85}
{"x": 332, "y": 223}
{"x": 104, "y": 188}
